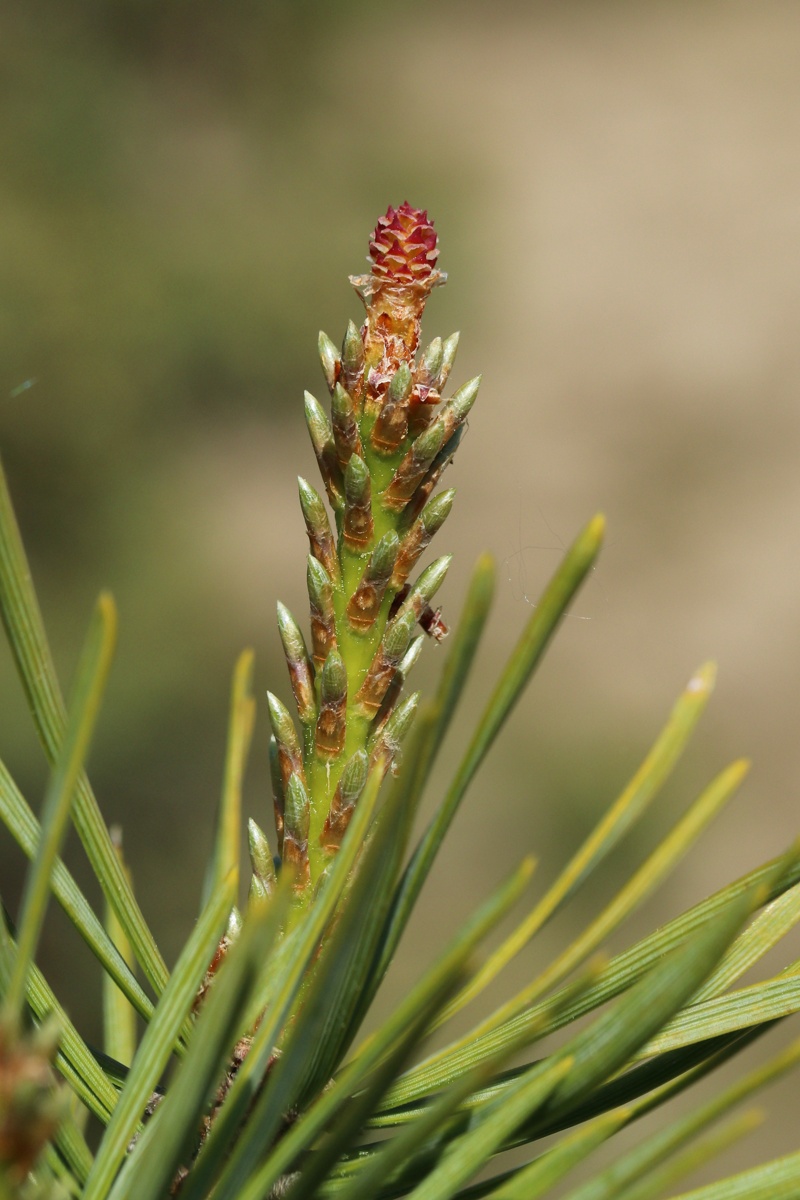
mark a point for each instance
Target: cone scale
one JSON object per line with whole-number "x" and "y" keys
{"x": 381, "y": 444}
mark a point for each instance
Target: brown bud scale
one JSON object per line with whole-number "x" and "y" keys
{"x": 346, "y": 437}
{"x": 331, "y": 728}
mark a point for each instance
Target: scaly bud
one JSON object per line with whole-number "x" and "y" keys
{"x": 258, "y": 892}
{"x": 234, "y": 926}
{"x": 345, "y": 429}
{"x": 290, "y": 758}
{"x": 321, "y": 434}
{"x": 350, "y": 787}
{"x": 431, "y": 364}
{"x": 453, "y": 414}
{"x": 318, "y": 528}
{"x": 391, "y": 425}
{"x": 329, "y": 358}
{"x": 353, "y": 363}
{"x": 323, "y": 619}
{"x": 398, "y": 680}
{"x": 426, "y": 587}
{"x": 297, "y": 818}
{"x": 364, "y": 605}
{"x": 448, "y": 358}
{"x": 260, "y": 857}
{"x": 331, "y": 723}
{"x": 409, "y": 659}
{"x": 387, "y": 739}
{"x": 414, "y": 467}
{"x": 276, "y": 778}
{"x": 301, "y": 672}
{"x": 431, "y": 480}
{"x": 425, "y": 395}
{"x": 358, "y": 525}
{"x": 419, "y": 536}
{"x": 384, "y": 665}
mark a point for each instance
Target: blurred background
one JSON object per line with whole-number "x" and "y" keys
{"x": 185, "y": 189}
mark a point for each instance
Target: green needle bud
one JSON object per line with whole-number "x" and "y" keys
{"x": 391, "y": 425}
{"x": 321, "y": 434}
{"x": 409, "y": 659}
{"x": 431, "y": 480}
{"x": 323, "y": 618}
{"x": 426, "y": 586}
{"x": 349, "y": 788}
{"x": 364, "y": 605}
{"x": 301, "y": 672}
{"x": 414, "y": 466}
{"x": 461, "y": 402}
{"x": 419, "y": 536}
{"x": 260, "y": 856}
{"x": 353, "y": 362}
{"x": 399, "y": 678}
{"x": 400, "y": 386}
{"x": 290, "y": 758}
{"x": 329, "y": 357}
{"x": 258, "y": 892}
{"x": 234, "y": 926}
{"x": 384, "y": 665}
{"x": 297, "y": 818}
{"x": 318, "y": 527}
{"x": 345, "y": 428}
{"x": 331, "y": 723}
{"x": 358, "y": 524}
{"x": 387, "y": 739}
{"x": 448, "y": 358}
{"x": 431, "y": 365}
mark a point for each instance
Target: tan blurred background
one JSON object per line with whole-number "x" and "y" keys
{"x": 185, "y": 189}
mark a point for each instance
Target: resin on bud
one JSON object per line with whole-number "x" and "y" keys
{"x": 348, "y": 790}
{"x": 364, "y": 605}
{"x": 332, "y": 722}
{"x": 318, "y": 528}
{"x": 321, "y": 434}
{"x": 353, "y": 363}
{"x": 358, "y": 525}
{"x": 329, "y": 358}
{"x": 301, "y": 671}
{"x": 419, "y": 536}
{"x": 384, "y": 665}
{"x": 297, "y": 818}
{"x": 323, "y": 618}
{"x": 346, "y": 437}
{"x": 391, "y": 425}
